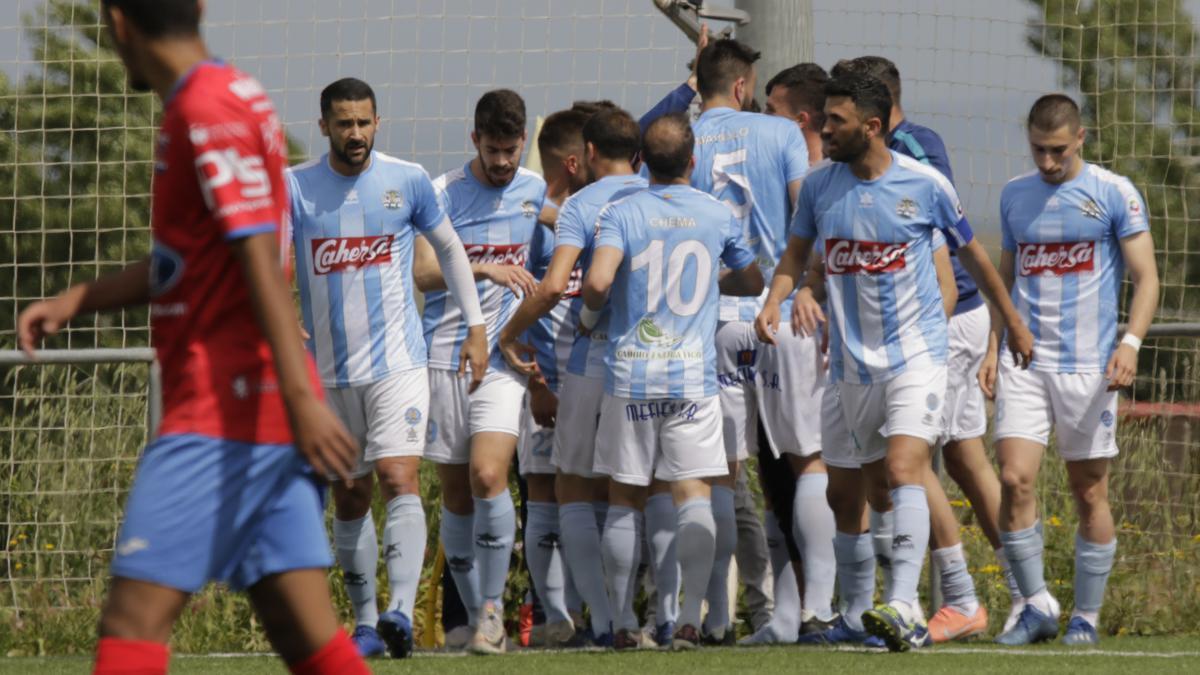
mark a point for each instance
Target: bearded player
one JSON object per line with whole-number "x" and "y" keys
{"x": 226, "y": 491}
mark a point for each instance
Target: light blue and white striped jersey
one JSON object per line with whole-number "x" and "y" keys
{"x": 1066, "y": 241}
{"x": 885, "y": 305}
{"x": 577, "y": 226}
{"x": 553, "y": 334}
{"x": 664, "y": 299}
{"x": 747, "y": 160}
{"x": 353, "y": 237}
{"x": 495, "y": 225}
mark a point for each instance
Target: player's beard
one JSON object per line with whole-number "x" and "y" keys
{"x": 496, "y": 176}
{"x": 343, "y": 153}
{"x": 851, "y": 149}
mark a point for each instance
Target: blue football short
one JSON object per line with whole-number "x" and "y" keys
{"x": 208, "y": 509}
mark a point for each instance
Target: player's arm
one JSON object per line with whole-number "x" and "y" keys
{"x": 792, "y": 266}
{"x": 320, "y": 438}
{"x": 741, "y": 276}
{"x": 427, "y": 272}
{"x": 130, "y": 286}
{"x": 1138, "y": 251}
{"x": 537, "y": 304}
{"x": 987, "y": 371}
{"x": 680, "y": 97}
{"x": 600, "y": 275}
{"x": 440, "y": 250}
{"x": 807, "y": 315}
{"x": 748, "y": 281}
{"x": 543, "y": 403}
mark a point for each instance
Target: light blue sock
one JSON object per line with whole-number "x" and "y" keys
{"x": 910, "y": 541}
{"x": 495, "y": 528}
{"x": 544, "y": 558}
{"x": 883, "y": 529}
{"x": 357, "y": 552}
{"x": 695, "y": 542}
{"x": 958, "y": 588}
{"x": 458, "y": 540}
{"x": 580, "y": 540}
{"x": 785, "y": 620}
{"x": 813, "y": 527}
{"x": 717, "y": 595}
{"x": 570, "y": 594}
{"x": 660, "y": 533}
{"x": 1093, "y": 563}
{"x": 622, "y": 549}
{"x": 404, "y": 551}
{"x": 1024, "y": 551}
{"x": 855, "y": 555}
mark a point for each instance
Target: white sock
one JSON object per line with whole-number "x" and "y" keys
{"x": 404, "y": 551}
{"x": 812, "y": 525}
{"x": 725, "y": 517}
{"x": 695, "y": 542}
{"x": 785, "y": 620}
{"x": 580, "y": 540}
{"x": 622, "y": 549}
{"x": 544, "y": 558}
{"x": 358, "y": 556}
{"x": 958, "y": 589}
{"x": 660, "y": 531}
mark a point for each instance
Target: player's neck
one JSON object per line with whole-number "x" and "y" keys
{"x": 896, "y": 117}
{"x": 874, "y": 163}
{"x": 816, "y": 150}
{"x": 719, "y": 101}
{"x": 171, "y": 59}
{"x": 682, "y": 180}
{"x": 603, "y": 168}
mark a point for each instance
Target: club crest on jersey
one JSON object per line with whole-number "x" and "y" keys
{"x": 650, "y": 334}
{"x": 1056, "y": 259}
{"x": 1135, "y": 206}
{"x": 1090, "y": 209}
{"x": 850, "y": 256}
{"x": 528, "y": 209}
{"x": 392, "y": 199}
{"x": 340, "y": 254}
{"x": 907, "y": 208}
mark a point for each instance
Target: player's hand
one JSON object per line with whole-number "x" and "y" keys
{"x": 42, "y": 319}
{"x": 513, "y": 277}
{"x": 701, "y": 43}
{"x": 543, "y": 404}
{"x": 304, "y": 336}
{"x": 474, "y": 352}
{"x": 1020, "y": 343}
{"x": 1121, "y": 367}
{"x": 987, "y": 371}
{"x": 766, "y": 324}
{"x": 519, "y": 355}
{"x": 322, "y": 440}
{"x": 807, "y": 316}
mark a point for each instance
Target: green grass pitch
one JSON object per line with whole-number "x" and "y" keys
{"x": 1117, "y": 655}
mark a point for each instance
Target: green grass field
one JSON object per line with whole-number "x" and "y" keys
{"x": 1121, "y": 655}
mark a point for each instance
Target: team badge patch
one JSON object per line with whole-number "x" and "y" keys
{"x": 746, "y": 357}
{"x": 412, "y": 416}
{"x": 1106, "y": 418}
{"x": 907, "y": 208}
{"x": 528, "y": 209}
{"x": 392, "y": 199}
{"x": 932, "y": 401}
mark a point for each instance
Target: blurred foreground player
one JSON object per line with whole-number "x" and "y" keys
{"x": 1068, "y": 231}
{"x": 226, "y": 492}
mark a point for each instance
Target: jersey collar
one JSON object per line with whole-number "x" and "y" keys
{"x": 187, "y": 77}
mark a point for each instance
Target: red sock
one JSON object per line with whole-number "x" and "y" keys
{"x": 339, "y": 656}
{"x": 115, "y": 656}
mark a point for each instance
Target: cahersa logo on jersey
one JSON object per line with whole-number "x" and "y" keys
{"x": 498, "y": 254}
{"x": 1056, "y": 259}
{"x": 339, "y": 254}
{"x": 850, "y": 256}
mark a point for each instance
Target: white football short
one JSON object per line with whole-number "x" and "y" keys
{"x": 966, "y": 411}
{"x": 910, "y": 404}
{"x": 790, "y": 386}
{"x": 386, "y": 417}
{"x": 576, "y": 423}
{"x": 738, "y": 351}
{"x": 455, "y": 416}
{"x": 837, "y": 447}
{"x": 536, "y": 445}
{"x": 1078, "y": 406}
{"x": 670, "y": 440}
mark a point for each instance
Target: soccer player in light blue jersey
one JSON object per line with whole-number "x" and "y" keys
{"x": 355, "y": 213}
{"x": 754, "y": 163}
{"x": 611, "y": 140}
{"x": 1069, "y": 230}
{"x": 877, "y": 214}
{"x": 494, "y": 206}
{"x": 658, "y": 264}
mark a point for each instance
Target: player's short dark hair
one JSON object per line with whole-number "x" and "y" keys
{"x": 870, "y": 95}
{"x": 721, "y": 63}
{"x": 160, "y": 18}
{"x": 562, "y": 133}
{"x": 1053, "y": 111}
{"x": 500, "y": 113}
{"x": 876, "y": 66}
{"x": 593, "y": 107}
{"x": 614, "y": 133}
{"x": 805, "y": 84}
{"x": 667, "y": 146}
{"x": 346, "y": 89}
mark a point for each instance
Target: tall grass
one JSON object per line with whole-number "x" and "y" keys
{"x": 71, "y": 436}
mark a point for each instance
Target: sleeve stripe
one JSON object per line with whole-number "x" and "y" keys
{"x": 250, "y": 230}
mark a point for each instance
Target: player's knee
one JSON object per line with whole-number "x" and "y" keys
{"x": 1016, "y": 482}
{"x": 127, "y": 623}
{"x": 399, "y": 481}
{"x": 1089, "y": 493}
{"x": 487, "y": 477}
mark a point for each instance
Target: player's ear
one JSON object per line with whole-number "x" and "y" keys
{"x": 200, "y": 8}
{"x": 475, "y": 139}
{"x": 117, "y": 24}
{"x": 591, "y": 151}
{"x": 324, "y": 126}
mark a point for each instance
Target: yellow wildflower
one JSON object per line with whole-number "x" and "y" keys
{"x": 49, "y": 547}
{"x": 1054, "y": 521}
